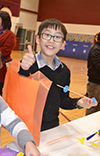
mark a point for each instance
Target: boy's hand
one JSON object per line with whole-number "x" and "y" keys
{"x": 28, "y": 59}
{"x": 31, "y": 149}
{"x": 86, "y": 102}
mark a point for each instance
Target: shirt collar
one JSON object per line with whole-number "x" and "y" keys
{"x": 41, "y": 62}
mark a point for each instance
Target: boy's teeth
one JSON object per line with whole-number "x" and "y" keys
{"x": 50, "y": 47}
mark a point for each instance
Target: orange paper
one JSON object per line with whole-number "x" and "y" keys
{"x": 27, "y": 97}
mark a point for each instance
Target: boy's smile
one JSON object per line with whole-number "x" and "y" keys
{"x": 49, "y": 43}
{"x": 49, "y": 47}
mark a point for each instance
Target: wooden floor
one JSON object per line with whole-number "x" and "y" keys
{"x": 78, "y": 83}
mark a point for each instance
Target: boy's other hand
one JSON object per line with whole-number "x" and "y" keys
{"x": 28, "y": 59}
{"x": 86, "y": 102}
{"x": 31, "y": 149}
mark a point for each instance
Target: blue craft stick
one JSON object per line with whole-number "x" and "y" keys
{"x": 93, "y": 99}
{"x": 88, "y": 138}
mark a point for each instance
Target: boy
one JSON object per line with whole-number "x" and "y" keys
{"x": 52, "y": 37}
{"x": 18, "y": 129}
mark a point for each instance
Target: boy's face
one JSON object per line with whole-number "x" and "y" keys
{"x": 50, "y": 45}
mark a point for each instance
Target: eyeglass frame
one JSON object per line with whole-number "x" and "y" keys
{"x": 51, "y": 36}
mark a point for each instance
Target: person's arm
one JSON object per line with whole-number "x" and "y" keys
{"x": 95, "y": 57}
{"x": 72, "y": 103}
{"x": 1, "y": 64}
{"x": 8, "y": 45}
{"x": 18, "y": 129}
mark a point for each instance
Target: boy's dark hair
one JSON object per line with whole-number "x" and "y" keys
{"x": 6, "y": 21}
{"x": 52, "y": 23}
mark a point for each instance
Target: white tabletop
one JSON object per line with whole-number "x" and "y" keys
{"x": 71, "y": 146}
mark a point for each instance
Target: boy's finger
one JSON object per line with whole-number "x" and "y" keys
{"x": 30, "y": 49}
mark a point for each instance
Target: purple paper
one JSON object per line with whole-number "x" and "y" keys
{"x": 7, "y": 152}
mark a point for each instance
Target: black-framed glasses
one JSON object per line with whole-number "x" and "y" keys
{"x": 46, "y": 36}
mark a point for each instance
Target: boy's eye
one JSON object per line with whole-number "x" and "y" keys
{"x": 58, "y": 37}
{"x": 48, "y": 35}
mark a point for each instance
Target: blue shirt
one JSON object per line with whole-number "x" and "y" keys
{"x": 41, "y": 62}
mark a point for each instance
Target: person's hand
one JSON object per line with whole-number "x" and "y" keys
{"x": 86, "y": 102}
{"x": 31, "y": 149}
{"x": 28, "y": 59}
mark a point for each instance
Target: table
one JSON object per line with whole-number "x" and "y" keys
{"x": 71, "y": 146}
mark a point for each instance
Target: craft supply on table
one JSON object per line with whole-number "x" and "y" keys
{"x": 87, "y": 140}
{"x": 89, "y": 137}
{"x": 60, "y": 139}
{"x": 78, "y": 155}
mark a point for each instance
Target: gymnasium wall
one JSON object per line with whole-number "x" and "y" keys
{"x": 28, "y": 13}
{"x": 71, "y": 11}
{"x": 13, "y": 5}
{"x": 79, "y": 16}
